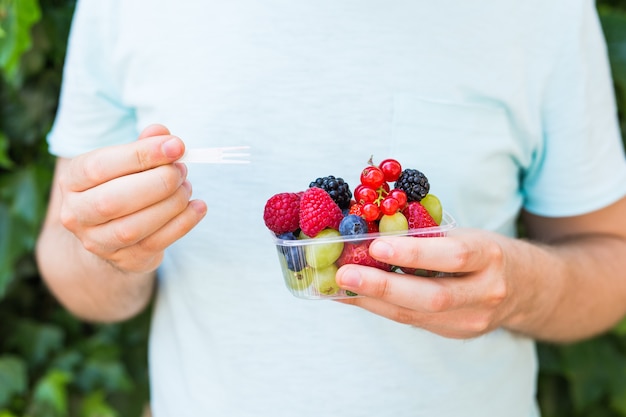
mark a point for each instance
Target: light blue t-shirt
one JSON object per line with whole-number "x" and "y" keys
{"x": 502, "y": 104}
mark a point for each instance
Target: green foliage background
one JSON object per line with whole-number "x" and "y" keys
{"x": 52, "y": 365}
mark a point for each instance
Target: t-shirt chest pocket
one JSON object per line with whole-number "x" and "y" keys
{"x": 468, "y": 151}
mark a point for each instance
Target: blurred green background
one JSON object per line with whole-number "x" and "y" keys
{"x": 52, "y": 365}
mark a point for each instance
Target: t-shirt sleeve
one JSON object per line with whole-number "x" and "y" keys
{"x": 582, "y": 166}
{"x": 91, "y": 112}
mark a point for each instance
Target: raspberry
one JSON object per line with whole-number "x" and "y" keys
{"x": 281, "y": 212}
{"x": 414, "y": 183}
{"x": 418, "y": 216}
{"x": 337, "y": 188}
{"x": 358, "y": 253}
{"x": 318, "y": 211}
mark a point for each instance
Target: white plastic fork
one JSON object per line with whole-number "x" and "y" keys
{"x": 221, "y": 155}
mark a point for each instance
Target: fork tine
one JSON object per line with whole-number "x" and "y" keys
{"x": 221, "y": 155}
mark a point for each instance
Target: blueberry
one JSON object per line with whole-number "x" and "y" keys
{"x": 352, "y": 225}
{"x": 294, "y": 255}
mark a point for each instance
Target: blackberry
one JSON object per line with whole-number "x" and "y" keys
{"x": 414, "y": 183}
{"x": 337, "y": 188}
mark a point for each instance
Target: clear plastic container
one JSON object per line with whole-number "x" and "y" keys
{"x": 309, "y": 265}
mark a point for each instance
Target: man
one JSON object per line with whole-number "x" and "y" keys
{"x": 506, "y": 106}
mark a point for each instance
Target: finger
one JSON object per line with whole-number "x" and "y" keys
{"x": 154, "y": 130}
{"x": 138, "y": 257}
{"x": 480, "y": 291}
{"x": 97, "y": 167}
{"x": 108, "y": 238}
{"x": 463, "y": 252}
{"x": 429, "y": 295}
{"x": 456, "y": 325}
{"x": 122, "y": 196}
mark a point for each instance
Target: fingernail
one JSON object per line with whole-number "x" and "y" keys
{"x": 187, "y": 185}
{"x": 381, "y": 250}
{"x": 172, "y": 148}
{"x": 199, "y": 206}
{"x": 350, "y": 279}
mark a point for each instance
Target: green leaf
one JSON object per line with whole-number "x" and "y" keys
{"x": 5, "y": 161}
{"x": 23, "y": 196}
{"x": 595, "y": 369}
{"x": 51, "y": 392}
{"x": 110, "y": 375}
{"x": 7, "y": 249}
{"x": 17, "y": 18}
{"x": 27, "y": 199}
{"x": 13, "y": 378}
{"x": 35, "y": 341}
{"x": 95, "y": 405}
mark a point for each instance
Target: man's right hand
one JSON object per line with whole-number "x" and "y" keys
{"x": 127, "y": 203}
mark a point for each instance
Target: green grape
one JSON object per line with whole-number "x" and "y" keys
{"x": 324, "y": 280}
{"x": 432, "y": 204}
{"x": 320, "y": 255}
{"x": 300, "y": 280}
{"x": 296, "y": 281}
{"x": 393, "y": 223}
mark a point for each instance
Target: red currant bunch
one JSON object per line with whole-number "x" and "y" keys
{"x": 374, "y": 195}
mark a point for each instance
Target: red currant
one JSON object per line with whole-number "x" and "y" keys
{"x": 371, "y": 212}
{"x": 372, "y": 176}
{"x": 364, "y": 194}
{"x": 391, "y": 169}
{"x": 389, "y": 206}
{"x": 399, "y": 195}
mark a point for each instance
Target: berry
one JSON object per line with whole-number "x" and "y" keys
{"x": 356, "y": 208}
{"x": 324, "y": 280}
{"x": 337, "y": 188}
{"x": 318, "y": 211}
{"x": 372, "y": 176}
{"x": 294, "y": 255}
{"x": 414, "y": 183}
{"x": 393, "y": 223}
{"x": 371, "y": 212}
{"x": 389, "y": 206}
{"x": 352, "y": 225}
{"x": 400, "y": 196}
{"x": 320, "y": 255}
{"x": 418, "y": 217}
{"x": 391, "y": 168}
{"x": 365, "y": 194}
{"x": 433, "y": 205}
{"x": 358, "y": 253}
{"x": 372, "y": 226}
{"x": 300, "y": 280}
{"x": 281, "y": 213}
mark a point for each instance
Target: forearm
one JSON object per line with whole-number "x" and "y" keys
{"x": 85, "y": 284}
{"x": 572, "y": 289}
